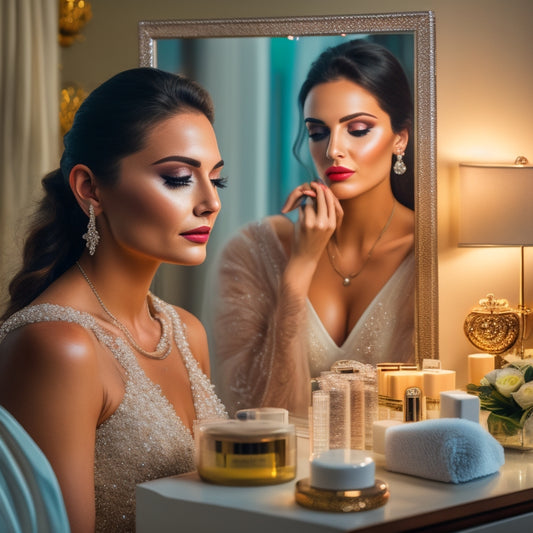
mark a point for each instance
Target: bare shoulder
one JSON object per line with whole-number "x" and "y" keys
{"x": 49, "y": 377}
{"x": 284, "y": 229}
{"x": 59, "y": 345}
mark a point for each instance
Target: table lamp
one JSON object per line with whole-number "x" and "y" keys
{"x": 496, "y": 209}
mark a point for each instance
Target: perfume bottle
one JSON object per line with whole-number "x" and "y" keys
{"x": 402, "y": 397}
{"x": 383, "y": 394}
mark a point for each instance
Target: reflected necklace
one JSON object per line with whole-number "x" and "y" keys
{"x": 347, "y": 280}
{"x": 163, "y": 346}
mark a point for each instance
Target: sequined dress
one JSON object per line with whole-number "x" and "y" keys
{"x": 277, "y": 344}
{"x": 144, "y": 438}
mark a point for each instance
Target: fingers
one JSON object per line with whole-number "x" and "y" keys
{"x": 296, "y": 197}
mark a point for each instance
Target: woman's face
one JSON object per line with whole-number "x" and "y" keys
{"x": 350, "y": 137}
{"x": 165, "y": 201}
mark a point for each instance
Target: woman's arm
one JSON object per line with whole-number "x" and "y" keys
{"x": 50, "y": 382}
{"x": 261, "y": 314}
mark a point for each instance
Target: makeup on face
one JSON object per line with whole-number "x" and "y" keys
{"x": 335, "y": 173}
{"x": 350, "y": 136}
{"x": 165, "y": 203}
{"x": 198, "y": 235}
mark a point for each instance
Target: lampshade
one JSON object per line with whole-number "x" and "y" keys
{"x": 496, "y": 204}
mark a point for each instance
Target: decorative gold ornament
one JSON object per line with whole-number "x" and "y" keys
{"x": 71, "y": 98}
{"x": 73, "y": 15}
{"x": 493, "y": 327}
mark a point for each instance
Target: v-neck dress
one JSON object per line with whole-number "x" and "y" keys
{"x": 144, "y": 438}
{"x": 267, "y": 346}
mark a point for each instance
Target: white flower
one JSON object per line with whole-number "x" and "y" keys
{"x": 520, "y": 363}
{"x": 524, "y": 395}
{"x": 491, "y": 376}
{"x": 508, "y": 380}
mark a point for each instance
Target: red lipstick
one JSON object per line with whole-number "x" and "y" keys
{"x": 339, "y": 173}
{"x": 199, "y": 235}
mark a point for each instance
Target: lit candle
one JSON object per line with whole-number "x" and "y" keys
{"x": 479, "y": 364}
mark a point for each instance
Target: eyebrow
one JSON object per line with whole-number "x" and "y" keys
{"x": 341, "y": 120}
{"x": 188, "y": 160}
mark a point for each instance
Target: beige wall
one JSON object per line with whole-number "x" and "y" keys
{"x": 484, "y": 111}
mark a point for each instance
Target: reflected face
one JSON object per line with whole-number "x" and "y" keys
{"x": 165, "y": 201}
{"x": 350, "y": 137}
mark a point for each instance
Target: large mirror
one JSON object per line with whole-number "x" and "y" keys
{"x": 242, "y": 63}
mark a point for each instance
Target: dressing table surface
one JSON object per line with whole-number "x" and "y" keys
{"x": 185, "y": 503}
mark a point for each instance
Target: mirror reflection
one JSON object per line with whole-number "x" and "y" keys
{"x": 254, "y": 83}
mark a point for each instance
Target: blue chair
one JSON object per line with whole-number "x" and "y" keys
{"x": 30, "y": 497}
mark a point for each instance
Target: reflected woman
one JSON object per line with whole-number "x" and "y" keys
{"x": 339, "y": 282}
{"x": 106, "y": 377}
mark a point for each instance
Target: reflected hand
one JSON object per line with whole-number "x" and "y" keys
{"x": 319, "y": 215}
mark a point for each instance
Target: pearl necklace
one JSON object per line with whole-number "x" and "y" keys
{"x": 163, "y": 346}
{"x": 347, "y": 280}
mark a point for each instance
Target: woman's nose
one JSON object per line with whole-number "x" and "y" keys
{"x": 335, "y": 148}
{"x": 208, "y": 201}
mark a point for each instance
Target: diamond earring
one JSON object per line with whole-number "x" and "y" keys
{"x": 92, "y": 236}
{"x": 399, "y": 166}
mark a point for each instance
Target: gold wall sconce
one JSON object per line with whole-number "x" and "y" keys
{"x": 496, "y": 209}
{"x": 72, "y": 97}
{"x": 73, "y": 15}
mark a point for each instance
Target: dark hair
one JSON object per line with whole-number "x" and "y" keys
{"x": 374, "y": 68}
{"x": 112, "y": 123}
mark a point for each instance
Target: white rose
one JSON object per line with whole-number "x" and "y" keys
{"x": 508, "y": 381}
{"x": 524, "y": 395}
{"x": 491, "y": 376}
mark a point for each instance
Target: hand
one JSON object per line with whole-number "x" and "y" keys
{"x": 317, "y": 219}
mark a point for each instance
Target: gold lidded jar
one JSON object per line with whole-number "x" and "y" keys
{"x": 251, "y": 452}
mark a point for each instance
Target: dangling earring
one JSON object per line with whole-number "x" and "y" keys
{"x": 92, "y": 237}
{"x": 399, "y": 166}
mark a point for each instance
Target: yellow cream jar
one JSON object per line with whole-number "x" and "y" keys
{"x": 251, "y": 452}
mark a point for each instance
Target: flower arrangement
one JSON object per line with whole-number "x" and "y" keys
{"x": 508, "y": 394}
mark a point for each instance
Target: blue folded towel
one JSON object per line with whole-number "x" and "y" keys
{"x": 453, "y": 450}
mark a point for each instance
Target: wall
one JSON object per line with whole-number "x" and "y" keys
{"x": 484, "y": 112}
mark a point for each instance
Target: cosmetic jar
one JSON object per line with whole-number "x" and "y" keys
{"x": 251, "y": 452}
{"x": 276, "y": 414}
{"x": 342, "y": 480}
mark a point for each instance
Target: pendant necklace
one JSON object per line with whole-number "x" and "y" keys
{"x": 163, "y": 346}
{"x": 347, "y": 280}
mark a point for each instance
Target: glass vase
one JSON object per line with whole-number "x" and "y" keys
{"x": 521, "y": 439}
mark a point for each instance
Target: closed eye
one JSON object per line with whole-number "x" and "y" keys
{"x": 174, "y": 182}
{"x": 317, "y": 134}
{"x": 220, "y": 183}
{"x": 360, "y": 133}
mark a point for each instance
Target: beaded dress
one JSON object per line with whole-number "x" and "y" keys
{"x": 273, "y": 335}
{"x": 144, "y": 438}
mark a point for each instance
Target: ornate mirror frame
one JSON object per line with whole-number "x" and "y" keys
{"x": 422, "y": 26}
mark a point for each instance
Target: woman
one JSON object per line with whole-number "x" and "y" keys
{"x": 339, "y": 282}
{"x": 105, "y": 377}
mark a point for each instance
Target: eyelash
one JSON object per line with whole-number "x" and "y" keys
{"x": 173, "y": 182}
{"x": 360, "y": 133}
{"x": 316, "y": 137}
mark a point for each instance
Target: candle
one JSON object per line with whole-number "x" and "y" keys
{"x": 479, "y": 364}
{"x": 435, "y": 382}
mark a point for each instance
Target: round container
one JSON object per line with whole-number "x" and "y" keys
{"x": 342, "y": 481}
{"x": 251, "y": 452}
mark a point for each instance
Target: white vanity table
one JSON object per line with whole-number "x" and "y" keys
{"x": 185, "y": 503}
